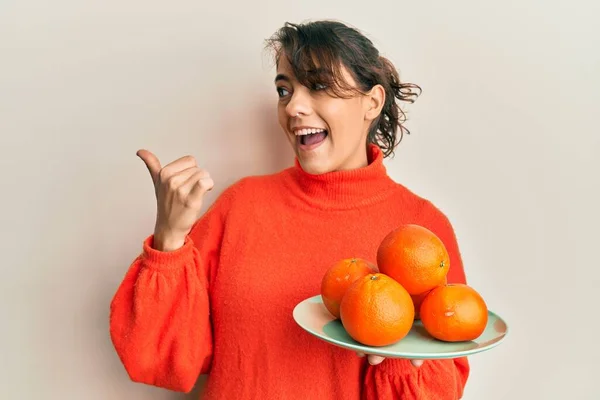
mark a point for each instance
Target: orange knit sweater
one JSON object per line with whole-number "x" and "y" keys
{"x": 222, "y": 304}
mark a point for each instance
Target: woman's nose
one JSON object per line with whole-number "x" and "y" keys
{"x": 300, "y": 103}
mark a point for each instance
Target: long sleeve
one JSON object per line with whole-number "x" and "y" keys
{"x": 399, "y": 379}
{"x": 435, "y": 379}
{"x": 159, "y": 317}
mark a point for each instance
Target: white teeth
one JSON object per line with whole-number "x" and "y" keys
{"x": 308, "y": 131}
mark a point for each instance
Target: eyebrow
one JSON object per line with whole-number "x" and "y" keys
{"x": 281, "y": 77}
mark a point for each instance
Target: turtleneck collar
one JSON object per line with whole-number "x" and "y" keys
{"x": 345, "y": 189}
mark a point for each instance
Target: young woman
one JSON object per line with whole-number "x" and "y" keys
{"x": 214, "y": 294}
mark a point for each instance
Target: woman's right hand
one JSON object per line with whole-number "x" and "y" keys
{"x": 180, "y": 187}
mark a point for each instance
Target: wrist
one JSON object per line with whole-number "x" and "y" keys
{"x": 167, "y": 241}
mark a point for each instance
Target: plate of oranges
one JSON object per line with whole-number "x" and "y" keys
{"x": 402, "y": 305}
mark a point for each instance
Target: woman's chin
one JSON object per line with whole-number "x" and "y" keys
{"x": 314, "y": 160}
{"x": 314, "y": 166}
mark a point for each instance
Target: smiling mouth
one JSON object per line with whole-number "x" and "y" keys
{"x": 310, "y": 137}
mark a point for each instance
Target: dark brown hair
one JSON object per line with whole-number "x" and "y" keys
{"x": 318, "y": 50}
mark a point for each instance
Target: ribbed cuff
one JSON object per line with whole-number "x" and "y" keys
{"x": 397, "y": 366}
{"x": 167, "y": 260}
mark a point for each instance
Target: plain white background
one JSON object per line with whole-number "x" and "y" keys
{"x": 504, "y": 140}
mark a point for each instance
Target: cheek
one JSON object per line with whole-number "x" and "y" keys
{"x": 344, "y": 118}
{"x": 345, "y": 107}
{"x": 282, "y": 117}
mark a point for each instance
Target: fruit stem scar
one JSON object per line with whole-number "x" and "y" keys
{"x": 442, "y": 264}
{"x": 374, "y": 277}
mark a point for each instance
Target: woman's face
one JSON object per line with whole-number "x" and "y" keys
{"x": 327, "y": 133}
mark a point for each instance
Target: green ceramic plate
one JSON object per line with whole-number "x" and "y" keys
{"x": 313, "y": 317}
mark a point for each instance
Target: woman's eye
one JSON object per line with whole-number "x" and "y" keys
{"x": 282, "y": 92}
{"x": 319, "y": 86}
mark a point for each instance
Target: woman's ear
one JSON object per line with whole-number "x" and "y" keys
{"x": 375, "y": 99}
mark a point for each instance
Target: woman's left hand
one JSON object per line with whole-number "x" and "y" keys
{"x": 374, "y": 360}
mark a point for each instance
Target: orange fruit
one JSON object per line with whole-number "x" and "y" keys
{"x": 418, "y": 300}
{"x": 377, "y": 311}
{"x": 339, "y": 277}
{"x": 415, "y": 257}
{"x": 454, "y": 313}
